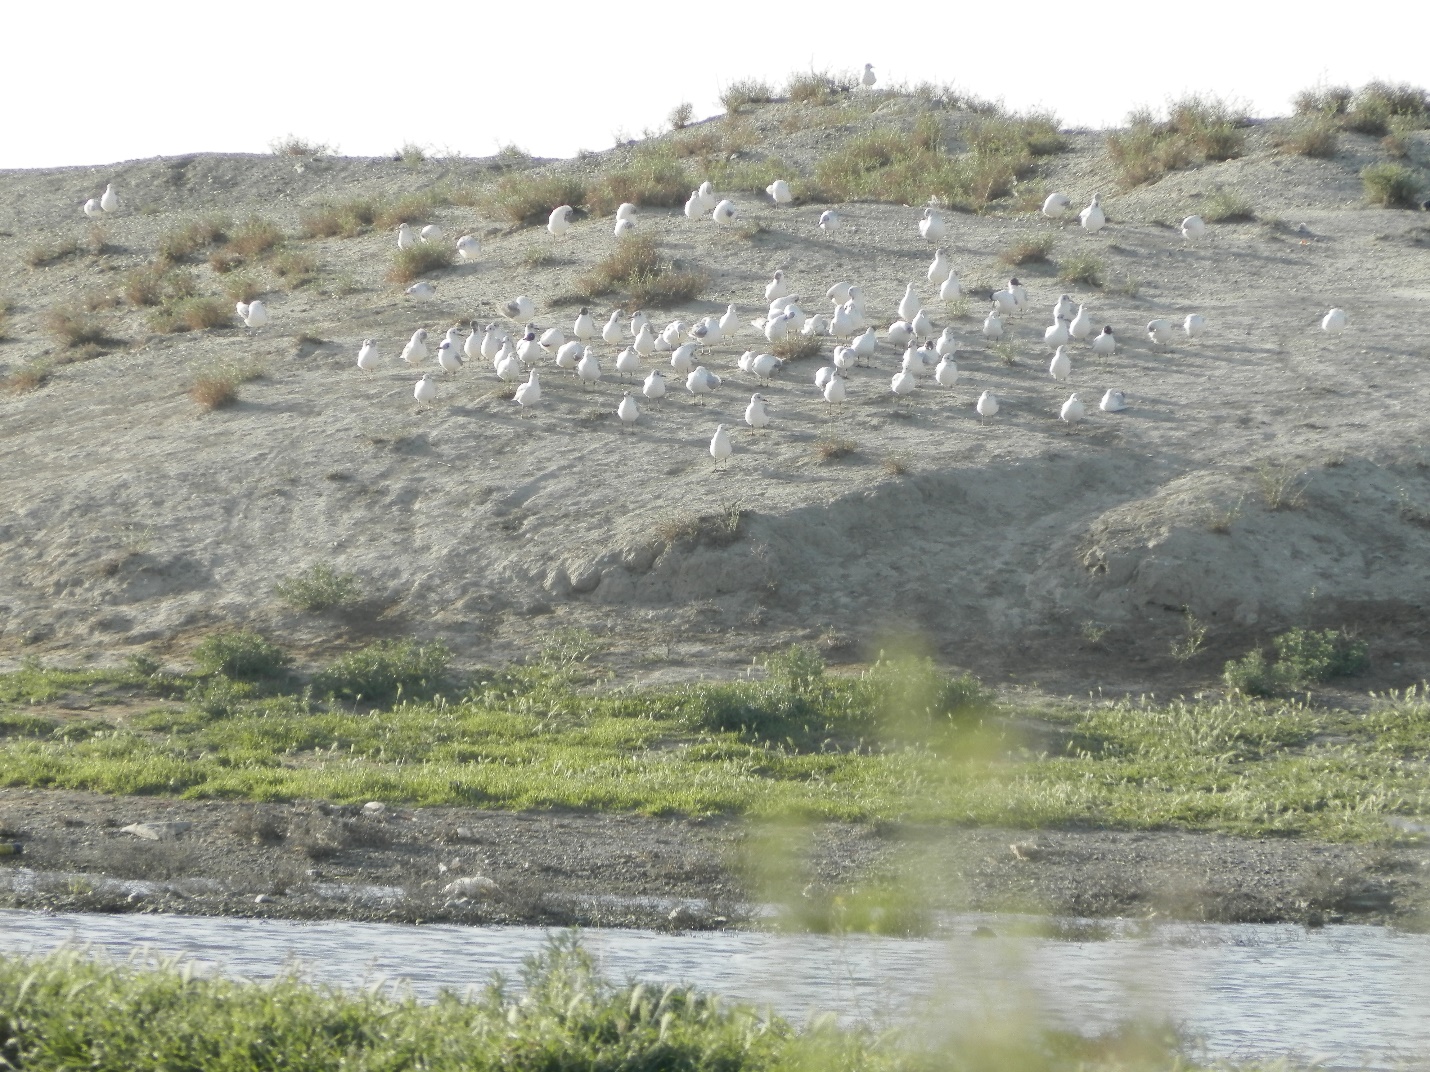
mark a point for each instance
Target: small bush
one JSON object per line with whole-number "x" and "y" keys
{"x": 1397, "y": 142}
{"x": 255, "y": 237}
{"x": 666, "y": 288}
{"x": 1205, "y": 128}
{"x": 410, "y": 208}
{"x": 525, "y": 200}
{"x": 26, "y": 378}
{"x": 1390, "y": 185}
{"x": 292, "y": 145}
{"x": 42, "y": 256}
{"x": 831, "y": 449}
{"x": 1304, "y": 657}
{"x": 1028, "y": 251}
{"x": 319, "y": 587}
{"x": 412, "y": 263}
{"x": 1252, "y": 675}
{"x": 1227, "y": 206}
{"x": 1083, "y": 269}
{"x": 387, "y": 671}
{"x": 637, "y": 268}
{"x": 410, "y": 154}
{"x": 1318, "y": 137}
{"x": 242, "y": 655}
{"x": 719, "y": 529}
{"x": 185, "y": 241}
{"x": 296, "y": 269}
{"x": 74, "y": 327}
{"x": 214, "y": 390}
{"x": 346, "y": 219}
{"x": 1324, "y": 100}
{"x": 794, "y": 347}
{"x": 745, "y": 91}
{"x": 681, "y": 115}
{"x": 241, "y": 287}
{"x": 909, "y": 695}
{"x": 654, "y": 179}
{"x": 200, "y": 314}
{"x": 799, "y": 668}
{"x": 816, "y": 87}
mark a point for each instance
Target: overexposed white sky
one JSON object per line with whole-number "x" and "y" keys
{"x": 86, "y": 82}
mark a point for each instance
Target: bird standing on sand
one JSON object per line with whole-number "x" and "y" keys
{"x": 405, "y": 238}
{"x": 939, "y": 267}
{"x": 367, "y": 355}
{"x": 560, "y": 220}
{"x": 431, "y": 233}
{"x": 448, "y": 357}
{"x": 92, "y": 208}
{"x": 986, "y": 406}
{"x": 902, "y": 384}
{"x": 628, "y": 363}
{"x": 931, "y": 225}
{"x": 426, "y": 388}
{"x": 867, "y": 79}
{"x": 909, "y": 305}
{"x": 254, "y": 314}
{"x": 109, "y": 200}
{"x": 724, "y": 213}
{"x": 1160, "y": 331}
{"x": 626, "y": 211}
{"x": 951, "y": 290}
{"x": 993, "y": 325}
{"x": 415, "y": 352}
{"x": 654, "y": 386}
{"x": 1056, "y": 206}
{"x": 946, "y": 372}
{"x": 519, "y": 308}
{"x": 720, "y": 447}
{"x": 589, "y": 367}
{"x": 828, "y": 221}
{"x": 1104, "y": 344}
{"x": 422, "y": 291}
{"x": 776, "y": 287}
{"x": 585, "y": 326}
{"x": 529, "y": 393}
{"x": 1073, "y": 411}
{"x": 1093, "y": 218}
{"x": 1060, "y": 368}
{"x": 628, "y": 411}
{"x": 834, "y": 391}
{"x": 469, "y": 248}
{"x": 1194, "y": 325}
{"x": 1193, "y": 227}
{"x": 611, "y": 333}
{"x": 1057, "y": 335}
{"x": 756, "y": 415}
{"x": 1081, "y": 326}
{"x": 1334, "y": 322}
{"x": 1113, "y": 402}
{"x": 779, "y": 192}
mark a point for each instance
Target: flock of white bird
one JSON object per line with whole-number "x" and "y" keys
{"x": 926, "y": 350}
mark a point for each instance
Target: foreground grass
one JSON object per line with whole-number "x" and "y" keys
{"x": 900, "y": 742}
{"x": 65, "y": 1011}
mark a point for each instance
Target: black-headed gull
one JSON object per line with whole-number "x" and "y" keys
{"x": 724, "y": 213}
{"x": 626, "y": 211}
{"x": 611, "y": 334}
{"x": 1104, "y": 344}
{"x": 415, "y": 352}
{"x": 776, "y": 287}
{"x": 701, "y": 382}
{"x": 628, "y": 363}
{"x": 902, "y": 384}
{"x": 448, "y": 357}
{"x": 951, "y": 290}
{"x": 946, "y": 372}
{"x": 431, "y": 233}
{"x": 1056, "y": 335}
{"x": 254, "y": 314}
{"x": 585, "y": 326}
{"x": 519, "y": 308}
{"x": 828, "y": 220}
{"x": 422, "y": 291}
{"x": 568, "y": 354}
{"x": 834, "y": 391}
{"x": 529, "y": 393}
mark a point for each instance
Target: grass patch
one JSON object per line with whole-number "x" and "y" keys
{"x": 410, "y": 154}
{"x": 292, "y": 145}
{"x": 1390, "y": 185}
{"x": 833, "y": 448}
{"x": 194, "y": 237}
{"x": 242, "y": 655}
{"x": 412, "y": 263}
{"x": 217, "y": 387}
{"x": 1227, "y": 206}
{"x": 637, "y": 268}
{"x": 1082, "y": 269}
{"x": 1318, "y": 137}
{"x": 1035, "y": 250}
{"x": 319, "y": 587}
{"x": 744, "y": 92}
{"x": 817, "y": 87}
{"x": 526, "y": 200}
{"x": 25, "y": 378}
{"x": 1304, "y": 657}
{"x": 1280, "y": 486}
{"x": 1368, "y": 110}
{"x": 795, "y": 347}
{"x": 48, "y": 253}
{"x": 74, "y": 327}
{"x": 192, "y": 314}
{"x": 255, "y": 237}
{"x": 1195, "y": 129}
{"x": 295, "y": 268}
{"x": 242, "y": 287}
{"x": 718, "y": 529}
{"x": 386, "y": 672}
{"x": 652, "y": 178}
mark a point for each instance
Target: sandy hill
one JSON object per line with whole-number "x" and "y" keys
{"x": 1265, "y": 474}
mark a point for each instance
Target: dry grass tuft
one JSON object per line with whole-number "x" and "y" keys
{"x": 744, "y": 92}
{"x": 652, "y": 178}
{"x": 1028, "y": 251}
{"x": 637, "y": 268}
{"x": 896, "y": 464}
{"x": 1390, "y": 185}
{"x": 526, "y": 200}
{"x": 74, "y": 327}
{"x": 1280, "y": 486}
{"x": 719, "y": 529}
{"x": 1196, "y": 128}
{"x": 1318, "y": 137}
{"x": 1083, "y": 269}
{"x": 26, "y": 378}
{"x": 42, "y": 256}
{"x": 241, "y": 287}
{"x": 716, "y": 140}
{"x": 218, "y": 387}
{"x": 1227, "y": 206}
{"x": 832, "y": 448}
{"x": 184, "y": 242}
{"x": 192, "y": 314}
{"x": 412, "y": 263}
{"x": 255, "y": 237}
{"x": 817, "y": 87}
{"x": 292, "y": 145}
{"x": 410, "y": 154}
{"x": 295, "y": 269}
{"x": 681, "y": 115}
{"x": 796, "y": 348}
{"x": 340, "y": 219}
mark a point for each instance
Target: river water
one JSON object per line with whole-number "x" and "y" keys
{"x": 1346, "y": 996}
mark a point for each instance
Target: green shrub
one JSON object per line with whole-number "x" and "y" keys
{"x": 745, "y": 91}
{"x": 911, "y": 694}
{"x": 797, "y": 669}
{"x": 1252, "y": 675}
{"x": 1304, "y": 657}
{"x": 318, "y": 588}
{"x": 242, "y": 655}
{"x": 1390, "y": 185}
{"x": 387, "y": 671}
{"x": 525, "y": 200}
{"x": 1205, "y": 128}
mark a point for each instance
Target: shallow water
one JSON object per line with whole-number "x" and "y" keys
{"x": 1344, "y": 995}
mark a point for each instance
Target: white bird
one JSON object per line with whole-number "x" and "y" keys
{"x": 1019, "y": 292}
{"x": 611, "y": 333}
{"x": 519, "y": 308}
{"x": 491, "y": 342}
{"x": 589, "y": 367}
{"x": 560, "y": 221}
{"x": 822, "y": 378}
{"x": 1104, "y": 344}
{"x": 720, "y": 448}
{"x": 92, "y": 207}
{"x": 815, "y": 326}
{"x": 730, "y": 321}
{"x": 367, "y": 355}
{"x": 1056, "y": 335}
{"x": 902, "y": 385}
{"x": 693, "y": 209}
{"x": 1334, "y": 322}
{"x": 706, "y": 193}
{"x": 829, "y": 220}
{"x": 700, "y": 382}
{"x": 552, "y": 339}
{"x": 844, "y": 359}
{"x": 1160, "y": 331}
{"x": 1065, "y": 307}
{"x": 628, "y": 362}
{"x": 528, "y": 350}
{"x": 624, "y": 227}
{"x": 921, "y": 325}
{"x": 867, "y": 79}
{"x": 779, "y": 192}
{"x": 638, "y": 321}
{"x": 839, "y": 292}
{"x": 1056, "y": 206}
{"x": 426, "y": 388}
{"x": 931, "y": 226}
{"x": 1073, "y": 411}
{"x": 756, "y": 416}
{"x": 841, "y": 325}
{"x": 913, "y": 361}
{"x": 405, "y": 238}
{"x": 909, "y": 304}
{"x": 448, "y": 357}
{"x": 986, "y": 406}
{"x": 1006, "y": 301}
{"x": 993, "y": 325}
{"x": 865, "y": 345}
{"x": 899, "y": 333}
{"x": 654, "y": 386}
{"x": 431, "y": 233}
{"x": 1193, "y": 227}
{"x": 776, "y": 287}
{"x": 764, "y": 366}
{"x": 254, "y": 314}
{"x": 724, "y": 212}
{"x": 1060, "y": 368}
{"x": 569, "y": 354}
{"x": 508, "y": 365}
{"x": 946, "y": 372}
{"x": 454, "y": 337}
{"x": 782, "y": 303}
{"x": 946, "y": 344}
{"x": 682, "y": 360}
{"x": 1194, "y": 325}
{"x": 856, "y": 295}
{"x": 834, "y": 391}
{"x": 1113, "y": 401}
{"x": 939, "y": 268}
{"x": 469, "y": 248}
{"x": 1081, "y": 326}
{"x": 776, "y": 328}
{"x": 626, "y": 211}
{"x": 951, "y": 290}
{"x": 109, "y": 200}
{"x": 422, "y": 291}
{"x": 585, "y": 326}
{"x": 628, "y": 411}
{"x": 415, "y": 352}
{"x": 529, "y": 393}
{"x": 645, "y": 341}
{"x": 1093, "y": 218}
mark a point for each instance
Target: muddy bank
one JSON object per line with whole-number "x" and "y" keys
{"x": 314, "y": 861}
